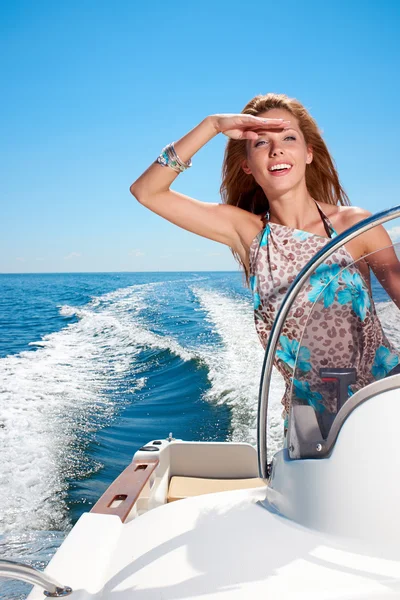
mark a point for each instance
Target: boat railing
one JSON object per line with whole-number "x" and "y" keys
{"x": 28, "y": 574}
{"x": 286, "y": 305}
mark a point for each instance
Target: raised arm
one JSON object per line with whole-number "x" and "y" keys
{"x": 218, "y": 222}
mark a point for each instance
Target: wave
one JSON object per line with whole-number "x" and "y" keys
{"x": 235, "y": 366}
{"x": 56, "y": 397}
{"x": 389, "y": 316}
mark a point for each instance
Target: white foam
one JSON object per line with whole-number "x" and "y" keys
{"x": 389, "y": 316}
{"x": 68, "y": 311}
{"x": 235, "y": 367}
{"x": 56, "y": 393}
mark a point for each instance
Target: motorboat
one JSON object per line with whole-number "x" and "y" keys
{"x": 317, "y": 520}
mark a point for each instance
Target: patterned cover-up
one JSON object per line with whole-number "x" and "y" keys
{"x": 341, "y": 330}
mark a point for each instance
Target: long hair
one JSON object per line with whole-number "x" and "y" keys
{"x": 322, "y": 181}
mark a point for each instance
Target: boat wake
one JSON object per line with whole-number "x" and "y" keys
{"x": 56, "y": 397}
{"x": 234, "y": 366}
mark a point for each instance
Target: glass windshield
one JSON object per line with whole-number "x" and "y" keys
{"x": 351, "y": 339}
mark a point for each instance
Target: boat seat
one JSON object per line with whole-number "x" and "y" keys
{"x": 187, "y": 487}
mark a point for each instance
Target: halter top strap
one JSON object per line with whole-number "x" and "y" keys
{"x": 330, "y": 230}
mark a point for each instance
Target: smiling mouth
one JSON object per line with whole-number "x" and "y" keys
{"x": 281, "y": 169}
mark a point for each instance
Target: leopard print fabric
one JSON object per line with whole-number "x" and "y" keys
{"x": 332, "y": 323}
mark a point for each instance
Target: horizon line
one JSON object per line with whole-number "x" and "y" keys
{"x": 111, "y": 272}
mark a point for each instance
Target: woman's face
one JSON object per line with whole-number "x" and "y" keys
{"x": 278, "y": 147}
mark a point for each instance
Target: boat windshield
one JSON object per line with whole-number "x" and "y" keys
{"x": 350, "y": 340}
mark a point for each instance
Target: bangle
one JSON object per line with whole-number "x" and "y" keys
{"x": 169, "y": 158}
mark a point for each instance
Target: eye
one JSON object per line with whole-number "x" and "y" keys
{"x": 260, "y": 142}
{"x": 290, "y": 137}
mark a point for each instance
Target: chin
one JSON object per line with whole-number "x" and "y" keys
{"x": 283, "y": 188}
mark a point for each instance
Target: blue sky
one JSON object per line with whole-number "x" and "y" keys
{"x": 93, "y": 89}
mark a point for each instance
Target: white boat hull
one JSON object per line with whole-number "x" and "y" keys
{"x": 219, "y": 545}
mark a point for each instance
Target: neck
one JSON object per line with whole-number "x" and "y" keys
{"x": 295, "y": 208}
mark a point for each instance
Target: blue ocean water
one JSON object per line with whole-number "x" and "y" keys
{"x": 92, "y": 366}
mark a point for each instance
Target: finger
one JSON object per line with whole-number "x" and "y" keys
{"x": 249, "y": 135}
{"x": 254, "y": 119}
{"x": 275, "y": 122}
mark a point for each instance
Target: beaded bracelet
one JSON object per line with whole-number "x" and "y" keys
{"x": 169, "y": 158}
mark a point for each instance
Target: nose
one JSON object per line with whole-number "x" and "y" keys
{"x": 275, "y": 149}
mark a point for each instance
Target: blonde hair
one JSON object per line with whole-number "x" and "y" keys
{"x": 239, "y": 189}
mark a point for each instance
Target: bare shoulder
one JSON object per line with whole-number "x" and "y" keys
{"x": 245, "y": 226}
{"x": 343, "y": 217}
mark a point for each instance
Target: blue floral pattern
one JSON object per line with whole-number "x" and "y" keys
{"x": 356, "y": 293}
{"x": 265, "y": 235}
{"x": 302, "y": 391}
{"x": 301, "y": 236}
{"x": 384, "y": 362}
{"x": 324, "y": 281}
{"x": 290, "y": 351}
{"x": 256, "y": 295}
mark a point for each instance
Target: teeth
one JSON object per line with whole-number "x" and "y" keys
{"x": 282, "y": 166}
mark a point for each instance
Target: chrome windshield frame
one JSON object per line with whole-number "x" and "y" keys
{"x": 302, "y": 277}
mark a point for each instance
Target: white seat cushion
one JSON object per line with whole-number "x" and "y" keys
{"x": 186, "y": 487}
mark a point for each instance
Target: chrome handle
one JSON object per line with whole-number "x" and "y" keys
{"x": 51, "y": 587}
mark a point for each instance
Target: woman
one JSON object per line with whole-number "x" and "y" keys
{"x": 282, "y": 201}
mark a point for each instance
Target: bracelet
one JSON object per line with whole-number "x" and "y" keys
{"x": 169, "y": 158}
